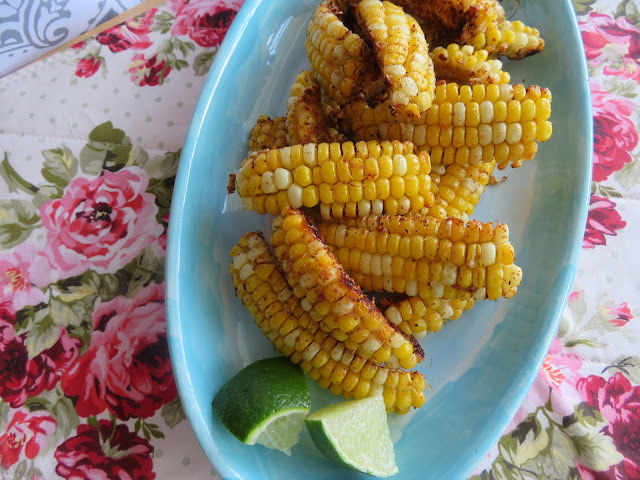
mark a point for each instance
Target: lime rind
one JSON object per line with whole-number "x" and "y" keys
{"x": 355, "y": 434}
{"x": 254, "y": 405}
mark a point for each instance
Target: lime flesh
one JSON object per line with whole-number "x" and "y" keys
{"x": 355, "y": 434}
{"x": 266, "y": 403}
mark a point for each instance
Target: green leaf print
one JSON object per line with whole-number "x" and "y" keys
{"x": 202, "y": 62}
{"x": 629, "y": 175}
{"x": 141, "y": 271}
{"x": 13, "y": 180}
{"x": 594, "y": 450}
{"x": 582, "y": 7}
{"x": 108, "y": 149}
{"x": 42, "y": 335}
{"x": 45, "y": 194}
{"x": 584, "y": 415}
{"x": 627, "y": 8}
{"x": 172, "y": 413}
{"x": 525, "y": 442}
{"x": 18, "y": 218}
{"x": 628, "y": 365}
{"x": 162, "y": 22}
{"x": 59, "y": 167}
{"x": 559, "y": 456}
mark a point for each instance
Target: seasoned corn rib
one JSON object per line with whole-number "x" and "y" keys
{"x": 264, "y": 291}
{"x": 268, "y": 133}
{"x": 331, "y": 296}
{"x": 479, "y": 121}
{"x": 340, "y": 60}
{"x": 345, "y": 180}
{"x": 306, "y": 122}
{"x": 513, "y": 39}
{"x": 455, "y": 20}
{"x": 402, "y": 54}
{"x": 416, "y": 316}
{"x": 426, "y": 256}
{"x": 465, "y": 65}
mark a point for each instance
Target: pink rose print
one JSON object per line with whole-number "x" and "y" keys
{"x": 22, "y": 377}
{"x": 26, "y": 432}
{"x": 132, "y": 34}
{"x": 151, "y": 72}
{"x": 615, "y": 134}
{"x": 16, "y": 283}
{"x": 130, "y": 336}
{"x": 619, "y": 403}
{"x": 100, "y": 224}
{"x": 614, "y": 43}
{"x": 204, "y": 21}
{"x": 108, "y": 453}
{"x": 621, "y": 314}
{"x": 560, "y": 367}
{"x": 87, "y": 67}
{"x": 603, "y": 219}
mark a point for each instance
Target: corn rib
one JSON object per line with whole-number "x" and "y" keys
{"x": 268, "y": 133}
{"x": 345, "y": 180}
{"x": 264, "y": 292}
{"x": 402, "y": 54}
{"x": 332, "y": 298}
{"x": 425, "y": 256}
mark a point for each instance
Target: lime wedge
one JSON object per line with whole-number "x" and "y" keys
{"x": 266, "y": 403}
{"x": 355, "y": 434}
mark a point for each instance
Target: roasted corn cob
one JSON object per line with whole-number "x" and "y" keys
{"x": 264, "y": 291}
{"x": 478, "y": 122}
{"x": 268, "y": 133}
{"x": 331, "y": 296}
{"x": 346, "y": 179}
{"x": 464, "y": 65}
{"x": 425, "y": 256}
{"x": 402, "y": 54}
{"x": 340, "y": 60}
{"x": 415, "y": 316}
{"x": 306, "y": 122}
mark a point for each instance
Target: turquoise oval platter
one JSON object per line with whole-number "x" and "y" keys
{"x": 481, "y": 365}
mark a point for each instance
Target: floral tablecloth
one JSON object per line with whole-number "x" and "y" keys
{"x": 90, "y": 140}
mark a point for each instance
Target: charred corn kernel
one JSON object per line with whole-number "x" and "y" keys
{"x": 467, "y": 65}
{"x": 353, "y": 183}
{"x": 340, "y": 60}
{"x": 402, "y": 55}
{"x": 453, "y": 248}
{"x": 318, "y": 276}
{"x": 305, "y": 121}
{"x": 268, "y": 133}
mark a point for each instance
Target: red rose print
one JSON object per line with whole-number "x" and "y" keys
{"x": 130, "y": 336}
{"x": 204, "y": 21}
{"x": 132, "y": 34}
{"x": 612, "y": 43}
{"x": 100, "y": 224}
{"x": 151, "y": 72}
{"x": 26, "y": 433}
{"x": 603, "y": 219}
{"x": 78, "y": 46}
{"x": 86, "y": 67}
{"x": 621, "y": 314}
{"x": 109, "y": 453}
{"x": 619, "y": 403}
{"x": 22, "y": 377}
{"x": 615, "y": 134}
